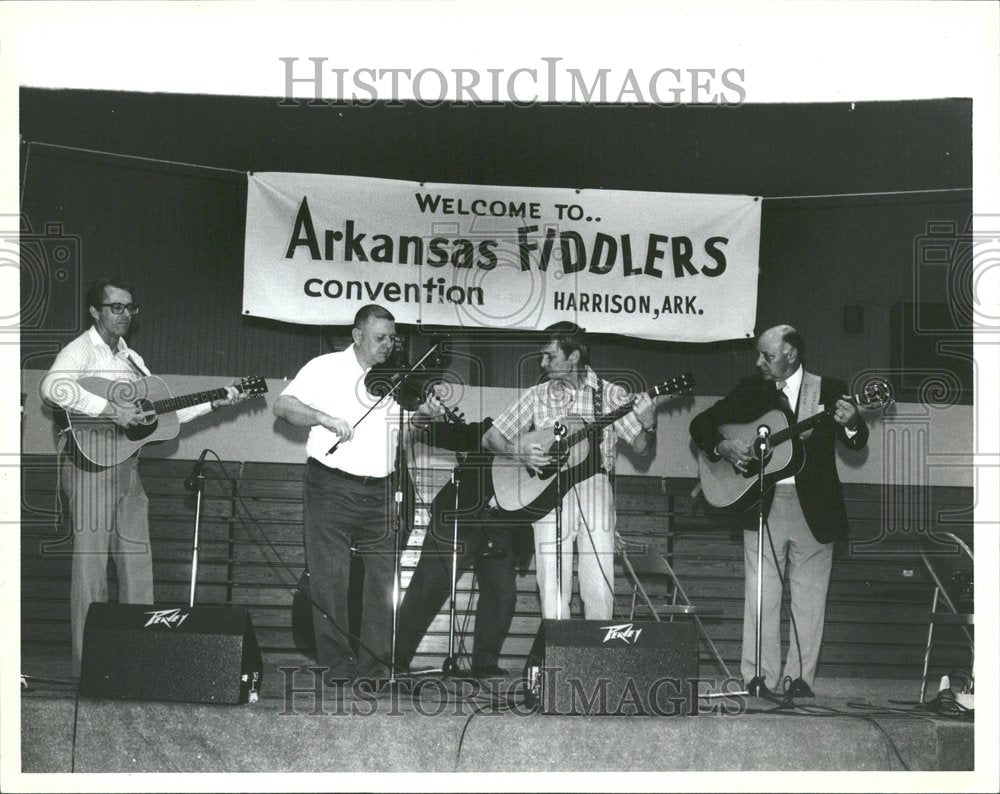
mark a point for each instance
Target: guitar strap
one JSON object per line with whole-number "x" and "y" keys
{"x": 599, "y": 411}
{"x": 135, "y": 366}
{"x": 808, "y": 399}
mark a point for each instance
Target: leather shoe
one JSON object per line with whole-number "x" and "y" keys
{"x": 799, "y": 689}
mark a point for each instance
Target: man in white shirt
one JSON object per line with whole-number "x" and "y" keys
{"x": 108, "y": 505}
{"x": 347, "y": 489}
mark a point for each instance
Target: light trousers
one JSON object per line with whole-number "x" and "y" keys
{"x": 110, "y": 514}
{"x": 588, "y": 519}
{"x": 809, "y": 564}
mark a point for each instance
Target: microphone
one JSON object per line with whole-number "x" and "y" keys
{"x": 762, "y": 443}
{"x": 559, "y": 429}
{"x": 190, "y": 482}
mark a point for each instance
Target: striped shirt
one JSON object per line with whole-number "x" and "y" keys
{"x": 89, "y": 356}
{"x": 541, "y": 406}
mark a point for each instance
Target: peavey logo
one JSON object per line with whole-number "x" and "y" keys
{"x": 623, "y": 631}
{"x": 172, "y": 618}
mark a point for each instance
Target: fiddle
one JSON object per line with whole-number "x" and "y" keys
{"x": 453, "y": 415}
{"x": 385, "y": 378}
{"x": 395, "y": 377}
{"x": 416, "y": 390}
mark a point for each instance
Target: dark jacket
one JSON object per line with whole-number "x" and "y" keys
{"x": 818, "y": 486}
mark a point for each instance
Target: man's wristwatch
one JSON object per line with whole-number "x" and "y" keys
{"x": 649, "y": 431}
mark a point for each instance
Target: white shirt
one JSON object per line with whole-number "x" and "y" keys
{"x": 335, "y": 384}
{"x": 791, "y": 390}
{"x": 89, "y": 356}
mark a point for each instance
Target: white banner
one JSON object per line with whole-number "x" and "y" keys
{"x": 670, "y": 266}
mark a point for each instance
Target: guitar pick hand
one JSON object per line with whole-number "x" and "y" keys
{"x": 125, "y": 415}
{"x": 533, "y": 457}
{"x": 735, "y": 451}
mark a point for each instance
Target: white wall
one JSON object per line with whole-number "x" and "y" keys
{"x": 912, "y": 445}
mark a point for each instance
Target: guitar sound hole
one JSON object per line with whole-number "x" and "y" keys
{"x": 147, "y": 424}
{"x": 148, "y": 413}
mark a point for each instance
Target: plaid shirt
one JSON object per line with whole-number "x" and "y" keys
{"x": 541, "y": 406}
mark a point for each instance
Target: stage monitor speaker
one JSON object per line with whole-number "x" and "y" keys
{"x": 200, "y": 654}
{"x": 599, "y": 667}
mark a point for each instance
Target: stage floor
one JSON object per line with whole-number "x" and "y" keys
{"x": 435, "y": 725}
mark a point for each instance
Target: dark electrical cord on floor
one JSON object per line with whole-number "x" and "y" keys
{"x": 461, "y": 738}
{"x": 76, "y": 718}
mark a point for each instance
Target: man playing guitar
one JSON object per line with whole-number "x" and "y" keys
{"x": 569, "y": 387}
{"x": 806, "y": 511}
{"x": 107, "y": 503}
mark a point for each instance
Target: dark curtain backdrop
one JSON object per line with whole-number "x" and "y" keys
{"x": 844, "y": 271}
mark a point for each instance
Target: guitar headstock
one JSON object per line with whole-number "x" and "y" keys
{"x": 680, "y": 384}
{"x": 875, "y": 394}
{"x": 253, "y": 386}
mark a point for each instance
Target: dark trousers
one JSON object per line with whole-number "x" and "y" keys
{"x": 337, "y": 513}
{"x": 430, "y": 586}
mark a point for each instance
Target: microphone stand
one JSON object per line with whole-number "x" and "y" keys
{"x": 197, "y": 483}
{"x": 398, "y": 526}
{"x": 559, "y": 429}
{"x": 762, "y": 446}
{"x": 450, "y": 666}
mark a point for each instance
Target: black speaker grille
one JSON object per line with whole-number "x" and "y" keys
{"x": 585, "y": 667}
{"x": 206, "y": 655}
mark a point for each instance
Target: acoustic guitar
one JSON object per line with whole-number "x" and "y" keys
{"x": 105, "y": 443}
{"x": 575, "y": 456}
{"x": 726, "y": 487}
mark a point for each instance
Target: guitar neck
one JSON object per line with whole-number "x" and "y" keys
{"x": 812, "y": 421}
{"x": 186, "y": 401}
{"x": 603, "y": 421}
{"x": 797, "y": 428}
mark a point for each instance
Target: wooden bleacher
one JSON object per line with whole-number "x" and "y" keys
{"x": 252, "y": 555}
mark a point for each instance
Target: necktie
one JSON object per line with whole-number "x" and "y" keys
{"x": 782, "y": 397}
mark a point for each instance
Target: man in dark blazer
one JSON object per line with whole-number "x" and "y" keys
{"x": 805, "y": 513}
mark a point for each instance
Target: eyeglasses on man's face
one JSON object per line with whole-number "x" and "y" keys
{"x": 118, "y": 308}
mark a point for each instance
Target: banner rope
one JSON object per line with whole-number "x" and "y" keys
{"x": 237, "y": 171}
{"x": 134, "y": 157}
{"x": 874, "y": 193}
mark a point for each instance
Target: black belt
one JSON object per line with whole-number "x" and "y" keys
{"x": 346, "y": 474}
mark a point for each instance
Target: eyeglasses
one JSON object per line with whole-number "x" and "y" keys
{"x": 118, "y": 308}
